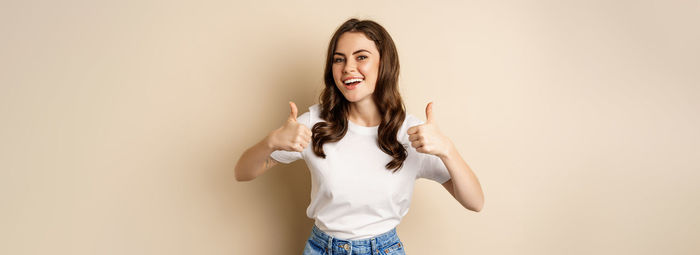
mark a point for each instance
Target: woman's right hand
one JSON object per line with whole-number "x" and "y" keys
{"x": 292, "y": 136}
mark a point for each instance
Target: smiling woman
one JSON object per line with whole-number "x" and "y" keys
{"x": 362, "y": 50}
{"x": 366, "y": 152}
{"x": 359, "y": 61}
{"x": 361, "y": 67}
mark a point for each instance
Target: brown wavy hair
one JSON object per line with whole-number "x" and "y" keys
{"x": 335, "y": 107}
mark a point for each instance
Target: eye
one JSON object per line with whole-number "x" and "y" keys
{"x": 361, "y": 57}
{"x": 338, "y": 60}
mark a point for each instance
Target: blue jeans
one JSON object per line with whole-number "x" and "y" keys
{"x": 320, "y": 243}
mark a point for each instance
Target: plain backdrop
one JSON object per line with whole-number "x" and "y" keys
{"x": 122, "y": 121}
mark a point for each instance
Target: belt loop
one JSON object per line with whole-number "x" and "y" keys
{"x": 329, "y": 248}
{"x": 375, "y": 250}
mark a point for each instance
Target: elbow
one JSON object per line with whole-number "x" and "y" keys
{"x": 475, "y": 207}
{"x": 241, "y": 177}
{"x": 244, "y": 178}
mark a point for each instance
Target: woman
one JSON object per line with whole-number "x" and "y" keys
{"x": 365, "y": 152}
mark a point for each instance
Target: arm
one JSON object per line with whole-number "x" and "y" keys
{"x": 292, "y": 136}
{"x": 255, "y": 161}
{"x": 464, "y": 185}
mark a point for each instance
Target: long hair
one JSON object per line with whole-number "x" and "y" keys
{"x": 335, "y": 107}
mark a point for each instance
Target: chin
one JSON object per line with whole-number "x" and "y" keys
{"x": 355, "y": 96}
{"x": 356, "y": 99}
{"x": 351, "y": 99}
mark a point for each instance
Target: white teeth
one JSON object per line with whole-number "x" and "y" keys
{"x": 352, "y": 80}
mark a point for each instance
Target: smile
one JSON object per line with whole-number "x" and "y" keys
{"x": 351, "y": 86}
{"x": 352, "y": 82}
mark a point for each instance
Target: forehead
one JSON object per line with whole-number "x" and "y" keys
{"x": 351, "y": 41}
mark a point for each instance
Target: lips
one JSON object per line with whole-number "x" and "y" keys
{"x": 352, "y": 86}
{"x": 352, "y": 82}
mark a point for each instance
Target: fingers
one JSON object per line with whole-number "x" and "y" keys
{"x": 299, "y": 144}
{"x": 417, "y": 144}
{"x": 296, "y": 137}
{"x": 298, "y": 147}
{"x": 304, "y": 144}
{"x": 293, "y": 136}
{"x": 421, "y": 147}
{"x": 307, "y": 131}
{"x": 306, "y": 137}
{"x": 429, "y": 113}
{"x": 302, "y": 140}
{"x": 304, "y": 132}
{"x": 413, "y": 130}
{"x": 293, "y": 113}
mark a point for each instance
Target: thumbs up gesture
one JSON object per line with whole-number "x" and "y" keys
{"x": 292, "y": 136}
{"x": 427, "y": 138}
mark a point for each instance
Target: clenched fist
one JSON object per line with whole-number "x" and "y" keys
{"x": 292, "y": 136}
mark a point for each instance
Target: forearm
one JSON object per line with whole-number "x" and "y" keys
{"x": 255, "y": 161}
{"x": 466, "y": 186}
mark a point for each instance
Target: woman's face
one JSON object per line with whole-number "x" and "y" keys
{"x": 355, "y": 66}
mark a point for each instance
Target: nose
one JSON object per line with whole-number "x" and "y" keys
{"x": 350, "y": 67}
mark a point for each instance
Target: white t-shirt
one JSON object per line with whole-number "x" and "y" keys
{"x": 353, "y": 195}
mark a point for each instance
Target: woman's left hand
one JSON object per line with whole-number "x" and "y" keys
{"x": 427, "y": 138}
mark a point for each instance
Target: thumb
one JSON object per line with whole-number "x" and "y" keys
{"x": 293, "y": 113}
{"x": 429, "y": 113}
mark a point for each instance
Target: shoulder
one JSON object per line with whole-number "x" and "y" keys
{"x": 310, "y": 117}
{"x": 411, "y": 121}
{"x": 408, "y": 122}
{"x": 315, "y": 110}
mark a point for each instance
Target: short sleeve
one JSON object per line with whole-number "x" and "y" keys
{"x": 287, "y": 157}
{"x": 433, "y": 168}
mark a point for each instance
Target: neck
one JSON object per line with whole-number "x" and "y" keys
{"x": 364, "y": 113}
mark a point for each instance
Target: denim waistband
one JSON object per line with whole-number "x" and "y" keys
{"x": 372, "y": 243}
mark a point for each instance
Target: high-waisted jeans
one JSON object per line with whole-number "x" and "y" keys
{"x": 321, "y": 243}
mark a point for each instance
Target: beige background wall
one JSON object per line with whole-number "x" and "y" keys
{"x": 121, "y": 122}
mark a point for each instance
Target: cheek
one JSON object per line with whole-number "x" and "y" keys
{"x": 336, "y": 70}
{"x": 370, "y": 70}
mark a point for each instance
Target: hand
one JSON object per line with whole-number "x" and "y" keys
{"x": 292, "y": 136}
{"x": 427, "y": 138}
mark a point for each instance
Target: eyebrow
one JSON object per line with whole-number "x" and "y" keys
{"x": 357, "y": 51}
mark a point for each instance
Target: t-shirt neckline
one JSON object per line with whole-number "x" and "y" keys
{"x": 362, "y": 129}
